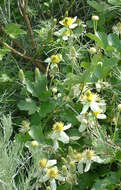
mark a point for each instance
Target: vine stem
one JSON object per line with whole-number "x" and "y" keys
{"x": 37, "y": 62}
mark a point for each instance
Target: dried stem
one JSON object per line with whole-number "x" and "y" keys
{"x": 37, "y": 62}
{"x": 23, "y": 11}
{"x": 7, "y": 34}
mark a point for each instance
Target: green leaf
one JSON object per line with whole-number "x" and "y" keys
{"x": 115, "y": 2}
{"x": 114, "y": 41}
{"x": 100, "y": 38}
{"x": 28, "y": 105}
{"x": 3, "y": 52}
{"x": 46, "y": 108}
{"x": 36, "y": 131}
{"x": 14, "y": 30}
{"x": 69, "y": 115}
{"x": 99, "y": 7}
{"x": 96, "y": 39}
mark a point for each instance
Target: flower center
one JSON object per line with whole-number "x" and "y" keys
{"x": 42, "y": 163}
{"x": 55, "y": 58}
{"x": 89, "y": 154}
{"x": 67, "y": 21}
{"x": 97, "y": 112}
{"x": 89, "y": 96}
{"x": 52, "y": 173}
{"x": 58, "y": 127}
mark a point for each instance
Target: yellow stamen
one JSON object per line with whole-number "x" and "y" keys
{"x": 52, "y": 173}
{"x": 67, "y": 21}
{"x": 58, "y": 126}
{"x": 88, "y": 154}
{"x": 97, "y": 112}
{"x": 55, "y": 58}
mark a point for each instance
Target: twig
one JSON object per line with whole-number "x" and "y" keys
{"x": 37, "y": 62}
{"x": 23, "y": 11}
{"x": 7, "y": 34}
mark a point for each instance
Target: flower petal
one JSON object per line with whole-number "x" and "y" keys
{"x": 82, "y": 128}
{"x": 60, "y": 178}
{"x": 97, "y": 159}
{"x": 94, "y": 107}
{"x": 63, "y": 137}
{"x": 65, "y": 38}
{"x": 80, "y": 167}
{"x": 51, "y": 163}
{"x": 53, "y": 184}
{"x": 88, "y": 164}
{"x": 43, "y": 178}
{"x": 73, "y": 26}
{"x": 85, "y": 108}
{"x": 66, "y": 127}
{"x": 101, "y": 116}
{"x": 55, "y": 145}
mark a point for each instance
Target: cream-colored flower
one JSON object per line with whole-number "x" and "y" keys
{"x": 52, "y": 174}
{"x": 69, "y": 22}
{"x": 58, "y": 134}
{"x": 55, "y": 59}
{"x": 89, "y": 156}
{"x": 92, "y": 101}
{"x": 99, "y": 114}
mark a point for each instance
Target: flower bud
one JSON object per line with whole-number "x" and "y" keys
{"x": 68, "y": 158}
{"x": 34, "y": 143}
{"x": 59, "y": 95}
{"x": 119, "y": 107}
{"x": 54, "y": 90}
{"x": 55, "y": 20}
{"x": 95, "y": 18}
{"x": 64, "y": 160}
{"x": 66, "y": 13}
{"x": 37, "y": 74}
{"x": 92, "y": 50}
{"x": 21, "y": 76}
{"x": 64, "y": 169}
{"x": 73, "y": 166}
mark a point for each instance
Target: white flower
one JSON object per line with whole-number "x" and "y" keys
{"x": 58, "y": 134}
{"x": 69, "y": 22}
{"x": 99, "y": 114}
{"x": 52, "y": 175}
{"x": 93, "y": 101}
{"x": 89, "y": 157}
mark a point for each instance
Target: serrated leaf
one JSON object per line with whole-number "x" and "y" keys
{"x": 114, "y": 41}
{"x": 36, "y": 131}
{"x": 46, "y": 108}
{"x": 14, "y": 30}
{"x": 28, "y": 105}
